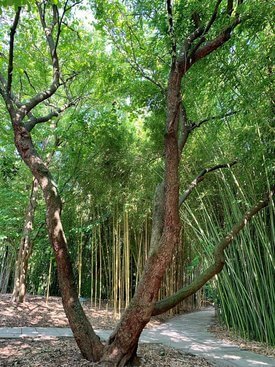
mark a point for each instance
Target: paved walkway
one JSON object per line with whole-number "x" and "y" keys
{"x": 187, "y": 333}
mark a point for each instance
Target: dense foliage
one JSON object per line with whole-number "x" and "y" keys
{"x": 107, "y": 152}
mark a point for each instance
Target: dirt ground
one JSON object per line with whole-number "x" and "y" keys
{"x": 64, "y": 352}
{"x": 58, "y": 352}
{"x": 35, "y": 312}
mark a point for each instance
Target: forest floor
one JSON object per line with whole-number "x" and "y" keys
{"x": 35, "y": 312}
{"x": 64, "y": 352}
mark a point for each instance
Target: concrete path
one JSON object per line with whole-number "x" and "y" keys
{"x": 187, "y": 333}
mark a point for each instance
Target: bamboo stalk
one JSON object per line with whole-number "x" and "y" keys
{"x": 80, "y": 260}
{"x": 92, "y": 268}
{"x": 49, "y": 281}
{"x": 100, "y": 265}
{"x": 127, "y": 260}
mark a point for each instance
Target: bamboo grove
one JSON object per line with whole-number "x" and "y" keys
{"x": 100, "y": 131}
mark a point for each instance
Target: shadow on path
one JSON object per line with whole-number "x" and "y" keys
{"x": 187, "y": 333}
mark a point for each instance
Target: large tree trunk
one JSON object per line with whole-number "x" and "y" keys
{"x": 25, "y": 249}
{"x": 26, "y": 245}
{"x": 165, "y": 237}
{"x": 87, "y": 340}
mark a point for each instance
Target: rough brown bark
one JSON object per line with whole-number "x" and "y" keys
{"x": 84, "y": 334}
{"x": 123, "y": 341}
{"x": 26, "y": 245}
{"x": 25, "y": 249}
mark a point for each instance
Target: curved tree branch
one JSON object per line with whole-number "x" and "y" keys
{"x": 214, "y": 44}
{"x": 194, "y": 125}
{"x": 208, "y": 27}
{"x": 200, "y": 178}
{"x": 40, "y": 97}
{"x": 30, "y": 124}
{"x": 11, "y": 50}
{"x": 213, "y": 17}
{"x": 171, "y": 31}
{"x": 204, "y": 48}
{"x": 219, "y": 260}
{"x": 187, "y": 127}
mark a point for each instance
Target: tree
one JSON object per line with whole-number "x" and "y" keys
{"x": 26, "y": 242}
{"x": 20, "y": 277}
{"x": 13, "y": 174}
{"x": 206, "y": 33}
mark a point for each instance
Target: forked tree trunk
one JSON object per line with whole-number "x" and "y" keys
{"x": 25, "y": 249}
{"x": 166, "y": 234}
{"x": 123, "y": 343}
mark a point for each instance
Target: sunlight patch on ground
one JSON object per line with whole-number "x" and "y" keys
{"x": 256, "y": 363}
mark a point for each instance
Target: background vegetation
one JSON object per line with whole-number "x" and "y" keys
{"x": 107, "y": 159}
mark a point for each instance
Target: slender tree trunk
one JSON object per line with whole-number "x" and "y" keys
{"x": 80, "y": 250}
{"x": 25, "y": 249}
{"x": 49, "y": 281}
{"x": 6, "y": 269}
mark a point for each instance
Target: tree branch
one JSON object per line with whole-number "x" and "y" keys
{"x": 200, "y": 178}
{"x": 59, "y": 21}
{"x": 171, "y": 31}
{"x": 72, "y": 30}
{"x": 200, "y": 31}
{"x": 73, "y": 5}
{"x": 229, "y": 9}
{"x": 183, "y": 136}
{"x": 202, "y": 49}
{"x": 11, "y": 50}
{"x": 214, "y": 44}
{"x": 40, "y": 97}
{"x": 207, "y": 28}
{"x": 29, "y": 80}
{"x": 30, "y": 124}
{"x": 7, "y": 99}
{"x": 219, "y": 260}
{"x": 134, "y": 63}
{"x": 188, "y": 128}
{"x": 195, "y": 125}
{"x": 188, "y": 42}
{"x": 213, "y": 17}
